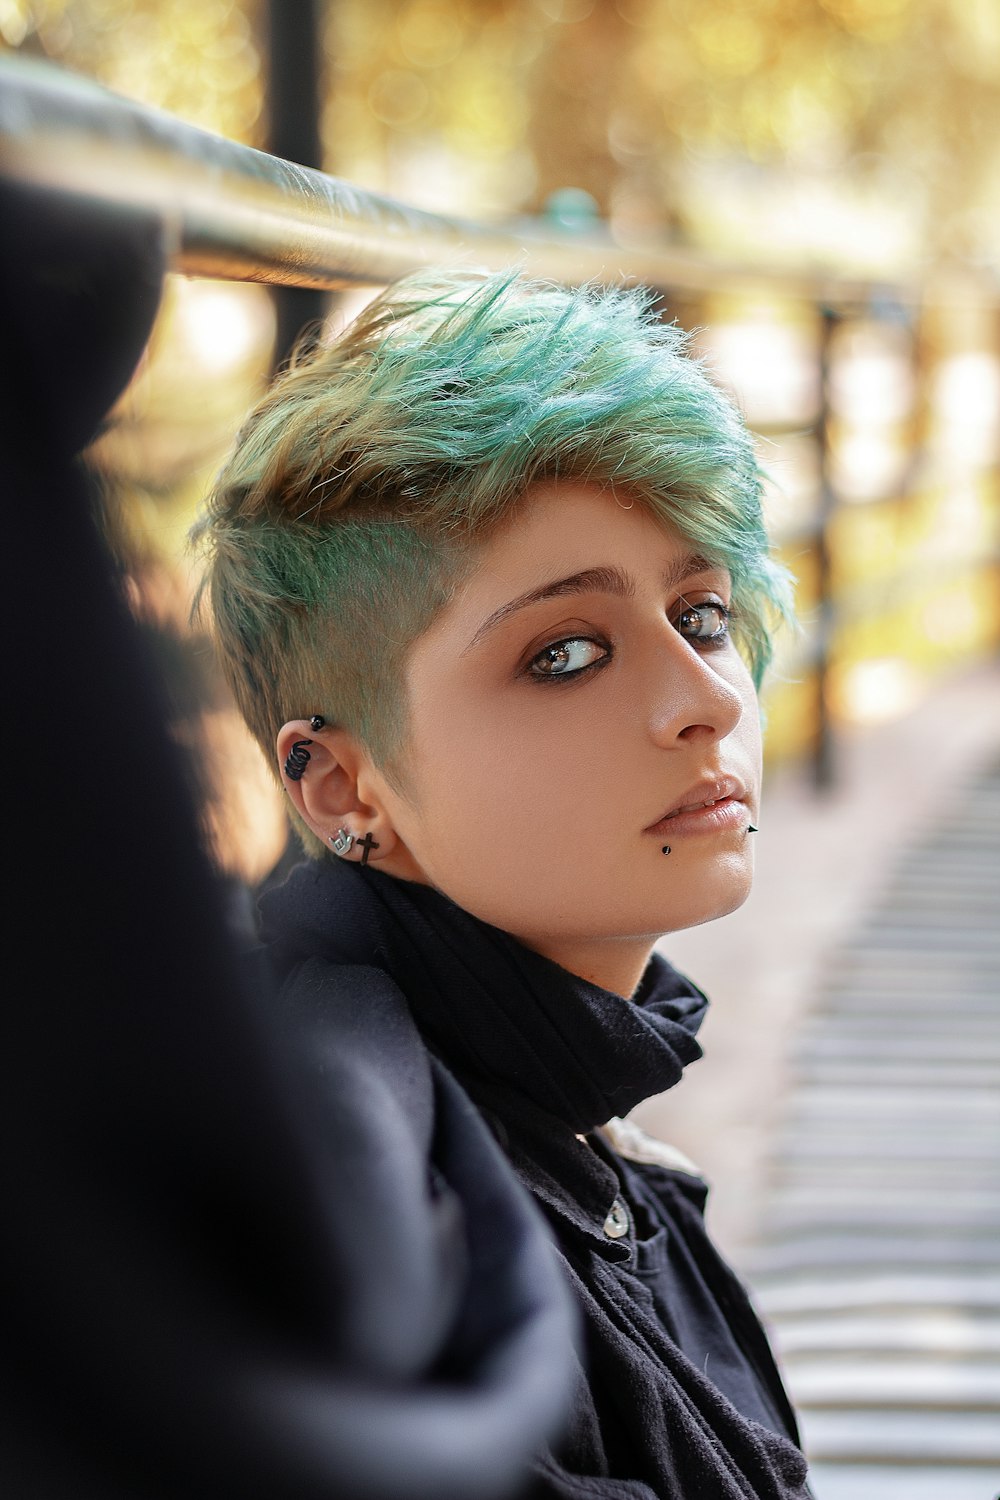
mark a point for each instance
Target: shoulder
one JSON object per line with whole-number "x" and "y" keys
{"x": 360, "y": 1002}
{"x": 349, "y": 1026}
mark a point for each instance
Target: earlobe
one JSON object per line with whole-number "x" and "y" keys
{"x": 344, "y": 841}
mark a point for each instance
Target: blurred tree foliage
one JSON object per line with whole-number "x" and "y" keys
{"x": 852, "y": 131}
{"x": 859, "y": 135}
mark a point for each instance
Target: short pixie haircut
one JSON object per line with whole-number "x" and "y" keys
{"x": 362, "y": 483}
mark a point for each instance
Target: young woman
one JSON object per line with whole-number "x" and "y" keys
{"x": 489, "y": 574}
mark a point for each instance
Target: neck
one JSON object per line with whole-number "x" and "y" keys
{"x": 615, "y": 964}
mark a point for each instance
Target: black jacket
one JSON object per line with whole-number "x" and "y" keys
{"x": 218, "y": 1278}
{"x": 677, "y": 1394}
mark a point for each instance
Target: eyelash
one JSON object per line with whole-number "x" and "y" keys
{"x": 711, "y": 643}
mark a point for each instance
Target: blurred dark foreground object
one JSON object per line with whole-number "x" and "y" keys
{"x": 226, "y": 1269}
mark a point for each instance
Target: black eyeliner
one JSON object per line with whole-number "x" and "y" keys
{"x": 602, "y": 661}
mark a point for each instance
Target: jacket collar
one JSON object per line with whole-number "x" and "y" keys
{"x": 546, "y": 1055}
{"x": 494, "y": 1010}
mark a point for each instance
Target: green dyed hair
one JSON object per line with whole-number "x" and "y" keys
{"x": 362, "y": 482}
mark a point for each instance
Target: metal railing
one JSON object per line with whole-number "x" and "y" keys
{"x": 229, "y": 211}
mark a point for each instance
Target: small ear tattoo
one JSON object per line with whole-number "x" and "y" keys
{"x": 666, "y": 849}
{"x": 298, "y": 759}
{"x": 316, "y": 722}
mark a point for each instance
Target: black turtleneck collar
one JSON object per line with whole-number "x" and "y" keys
{"x": 507, "y": 1021}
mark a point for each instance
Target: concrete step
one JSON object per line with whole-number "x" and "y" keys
{"x": 892, "y": 995}
{"x": 926, "y": 1332}
{"x": 852, "y": 1103}
{"x": 881, "y": 1382}
{"x": 938, "y": 1180}
{"x": 903, "y": 969}
{"x": 948, "y": 1141}
{"x": 904, "y": 1073}
{"x": 843, "y": 1038}
{"x": 903, "y": 1482}
{"x": 973, "y": 1291}
{"x": 932, "y": 1250}
{"x": 905, "y": 1437}
{"x": 878, "y": 1271}
{"x": 806, "y": 1202}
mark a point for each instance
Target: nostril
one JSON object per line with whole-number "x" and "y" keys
{"x": 694, "y": 731}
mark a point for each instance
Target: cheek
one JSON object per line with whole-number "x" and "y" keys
{"x": 497, "y": 800}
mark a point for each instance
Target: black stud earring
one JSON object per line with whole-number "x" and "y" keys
{"x": 317, "y": 721}
{"x": 298, "y": 759}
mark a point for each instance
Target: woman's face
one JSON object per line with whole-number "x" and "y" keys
{"x": 571, "y": 712}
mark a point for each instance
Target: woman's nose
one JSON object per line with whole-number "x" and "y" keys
{"x": 695, "y": 699}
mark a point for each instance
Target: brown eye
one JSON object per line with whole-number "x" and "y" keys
{"x": 566, "y": 658}
{"x": 706, "y": 623}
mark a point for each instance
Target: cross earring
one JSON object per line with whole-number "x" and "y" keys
{"x": 343, "y": 842}
{"x": 367, "y": 844}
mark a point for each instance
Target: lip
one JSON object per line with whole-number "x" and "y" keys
{"x": 708, "y": 806}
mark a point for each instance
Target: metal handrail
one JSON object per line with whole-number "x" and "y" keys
{"x": 232, "y": 212}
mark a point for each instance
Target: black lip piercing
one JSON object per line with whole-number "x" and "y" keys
{"x": 752, "y": 829}
{"x": 298, "y": 759}
{"x": 666, "y": 849}
{"x": 317, "y": 721}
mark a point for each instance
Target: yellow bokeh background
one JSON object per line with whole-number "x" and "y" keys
{"x": 829, "y": 138}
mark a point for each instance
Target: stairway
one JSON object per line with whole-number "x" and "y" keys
{"x": 879, "y": 1275}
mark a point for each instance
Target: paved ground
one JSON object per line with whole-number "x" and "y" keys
{"x": 848, "y": 1108}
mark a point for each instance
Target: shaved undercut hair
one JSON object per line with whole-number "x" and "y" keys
{"x": 364, "y": 481}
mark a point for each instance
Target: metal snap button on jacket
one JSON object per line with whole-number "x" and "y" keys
{"x": 616, "y": 1224}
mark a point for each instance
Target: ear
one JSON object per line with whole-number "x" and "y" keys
{"x": 330, "y": 779}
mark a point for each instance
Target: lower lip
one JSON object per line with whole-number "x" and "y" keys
{"x": 726, "y": 816}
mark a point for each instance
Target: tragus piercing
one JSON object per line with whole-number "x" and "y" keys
{"x": 666, "y": 849}
{"x": 298, "y": 759}
{"x": 317, "y": 721}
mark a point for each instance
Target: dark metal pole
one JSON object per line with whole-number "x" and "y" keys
{"x": 295, "y": 74}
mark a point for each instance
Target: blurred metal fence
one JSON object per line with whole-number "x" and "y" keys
{"x": 895, "y": 581}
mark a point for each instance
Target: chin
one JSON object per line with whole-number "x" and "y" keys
{"x": 709, "y": 900}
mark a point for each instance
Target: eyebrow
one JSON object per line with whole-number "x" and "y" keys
{"x": 606, "y": 580}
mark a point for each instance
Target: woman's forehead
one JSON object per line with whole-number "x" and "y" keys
{"x": 567, "y": 537}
